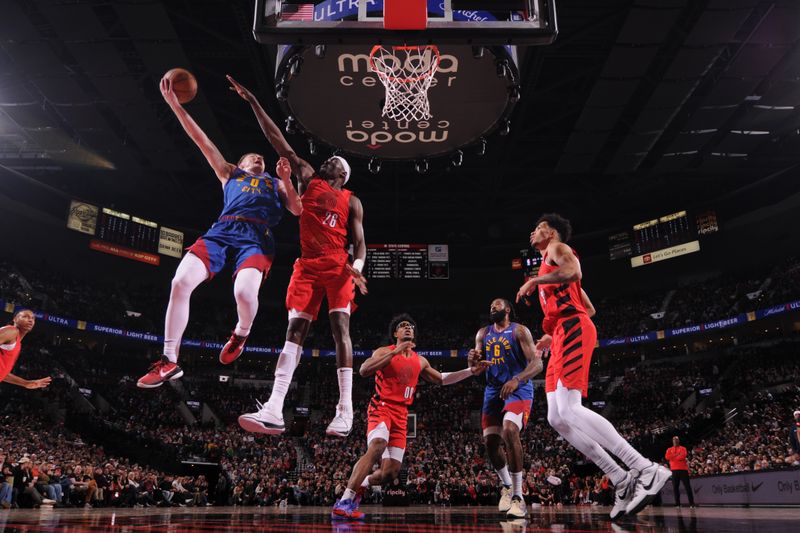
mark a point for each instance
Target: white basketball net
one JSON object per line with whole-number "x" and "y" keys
{"x": 407, "y": 73}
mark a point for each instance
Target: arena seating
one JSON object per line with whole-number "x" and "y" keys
{"x": 137, "y": 441}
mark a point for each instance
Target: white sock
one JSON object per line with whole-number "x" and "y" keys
{"x": 191, "y": 272}
{"x": 345, "y": 376}
{"x": 516, "y": 484}
{"x": 505, "y": 478}
{"x": 601, "y": 430}
{"x": 245, "y": 291}
{"x": 365, "y": 483}
{"x": 348, "y": 494}
{"x": 582, "y": 442}
{"x": 284, "y": 370}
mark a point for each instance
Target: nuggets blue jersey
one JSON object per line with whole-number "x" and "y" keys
{"x": 251, "y": 196}
{"x": 504, "y": 354}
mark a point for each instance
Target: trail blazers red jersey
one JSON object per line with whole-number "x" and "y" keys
{"x": 558, "y": 300}
{"x": 397, "y": 382}
{"x": 324, "y": 222}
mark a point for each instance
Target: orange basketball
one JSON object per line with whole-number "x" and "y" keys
{"x": 184, "y": 84}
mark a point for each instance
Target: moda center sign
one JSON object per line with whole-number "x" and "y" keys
{"x": 745, "y": 488}
{"x": 338, "y": 100}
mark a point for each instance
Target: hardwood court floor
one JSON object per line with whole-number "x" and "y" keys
{"x": 418, "y": 519}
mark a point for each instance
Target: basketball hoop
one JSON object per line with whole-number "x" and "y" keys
{"x": 407, "y": 72}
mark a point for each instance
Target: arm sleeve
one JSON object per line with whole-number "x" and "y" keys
{"x": 448, "y": 378}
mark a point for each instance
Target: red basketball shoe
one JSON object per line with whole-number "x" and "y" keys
{"x": 160, "y": 372}
{"x": 232, "y": 349}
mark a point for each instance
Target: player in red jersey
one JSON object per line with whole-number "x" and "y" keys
{"x": 571, "y": 337}
{"x": 11, "y": 344}
{"x": 397, "y": 369}
{"x": 331, "y": 215}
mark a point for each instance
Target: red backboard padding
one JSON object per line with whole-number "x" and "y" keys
{"x": 405, "y": 14}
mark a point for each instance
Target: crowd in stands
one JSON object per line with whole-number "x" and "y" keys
{"x": 756, "y": 438}
{"x": 139, "y": 306}
{"x": 47, "y": 461}
{"x": 446, "y": 461}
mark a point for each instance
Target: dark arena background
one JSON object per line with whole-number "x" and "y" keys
{"x": 666, "y": 131}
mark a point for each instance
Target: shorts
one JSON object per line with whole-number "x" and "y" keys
{"x": 245, "y": 244}
{"x": 389, "y": 421}
{"x": 495, "y": 409}
{"x": 318, "y": 277}
{"x": 574, "y": 340}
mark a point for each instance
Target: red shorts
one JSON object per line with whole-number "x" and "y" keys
{"x": 394, "y": 415}
{"x": 318, "y": 277}
{"x": 574, "y": 339}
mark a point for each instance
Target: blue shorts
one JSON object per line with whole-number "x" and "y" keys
{"x": 494, "y": 407}
{"x": 245, "y": 244}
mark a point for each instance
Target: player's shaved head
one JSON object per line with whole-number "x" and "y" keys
{"x": 504, "y": 305}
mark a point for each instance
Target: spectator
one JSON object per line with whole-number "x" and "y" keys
{"x": 680, "y": 471}
{"x": 794, "y": 439}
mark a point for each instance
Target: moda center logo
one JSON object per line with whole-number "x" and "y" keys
{"x": 354, "y": 69}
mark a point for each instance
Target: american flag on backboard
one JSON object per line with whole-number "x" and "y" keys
{"x": 298, "y": 12}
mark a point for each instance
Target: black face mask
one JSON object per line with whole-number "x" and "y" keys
{"x": 497, "y": 316}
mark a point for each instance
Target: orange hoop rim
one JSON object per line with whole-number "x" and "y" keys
{"x": 398, "y": 79}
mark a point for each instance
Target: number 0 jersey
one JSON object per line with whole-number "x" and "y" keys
{"x": 323, "y": 224}
{"x": 397, "y": 382}
{"x": 252, "y": 196}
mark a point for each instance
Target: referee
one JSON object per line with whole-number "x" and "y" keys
{"x": 680, "y": 471}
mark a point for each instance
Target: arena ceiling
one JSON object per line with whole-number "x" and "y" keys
{"x": 640, "y": 107}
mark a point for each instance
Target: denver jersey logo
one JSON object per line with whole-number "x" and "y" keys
{"x": 496, "y": 349}
{"x": 254, "y": 184}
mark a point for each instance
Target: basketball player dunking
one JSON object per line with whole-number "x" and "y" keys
{"x": 509, "y": 350}
{"x": 331, "y": 215}
{"x": 253, "y": 203}
{"x": 571, "y": 337}
{"x": 396, "y": 368}
{"x": 11, "y": 344}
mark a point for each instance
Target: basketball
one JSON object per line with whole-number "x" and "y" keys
{"x": 184, "y": 84}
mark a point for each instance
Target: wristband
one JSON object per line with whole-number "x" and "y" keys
{"x": 358, "y": 265}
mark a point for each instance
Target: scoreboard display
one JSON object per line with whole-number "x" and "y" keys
{"x": 661, "y": 233}
{"x": 662, "y": 238}
{"x": 124, "y": 235}
{"x": 126, "y": 230}
{"x": 407, "y": 261}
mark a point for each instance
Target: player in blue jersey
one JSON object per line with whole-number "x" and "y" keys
{"x": 513, "y": 361}
{"x": 253, "y": 203}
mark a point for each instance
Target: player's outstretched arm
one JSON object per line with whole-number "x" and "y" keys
{"x": 587, "y": 303}
{"x": 356, "y": 230}
{"x": 382, "y": 357}
{"x": 431, "y": 375}
{"x": 27, "y": 383}
{"x": 300, "y": 167}
{"x": 286, "y": 188}
{"x": 532, "y": 355}
{"x": 212, "y": 154}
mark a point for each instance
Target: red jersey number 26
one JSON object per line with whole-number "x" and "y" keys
{"x": 330, "y": 219}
